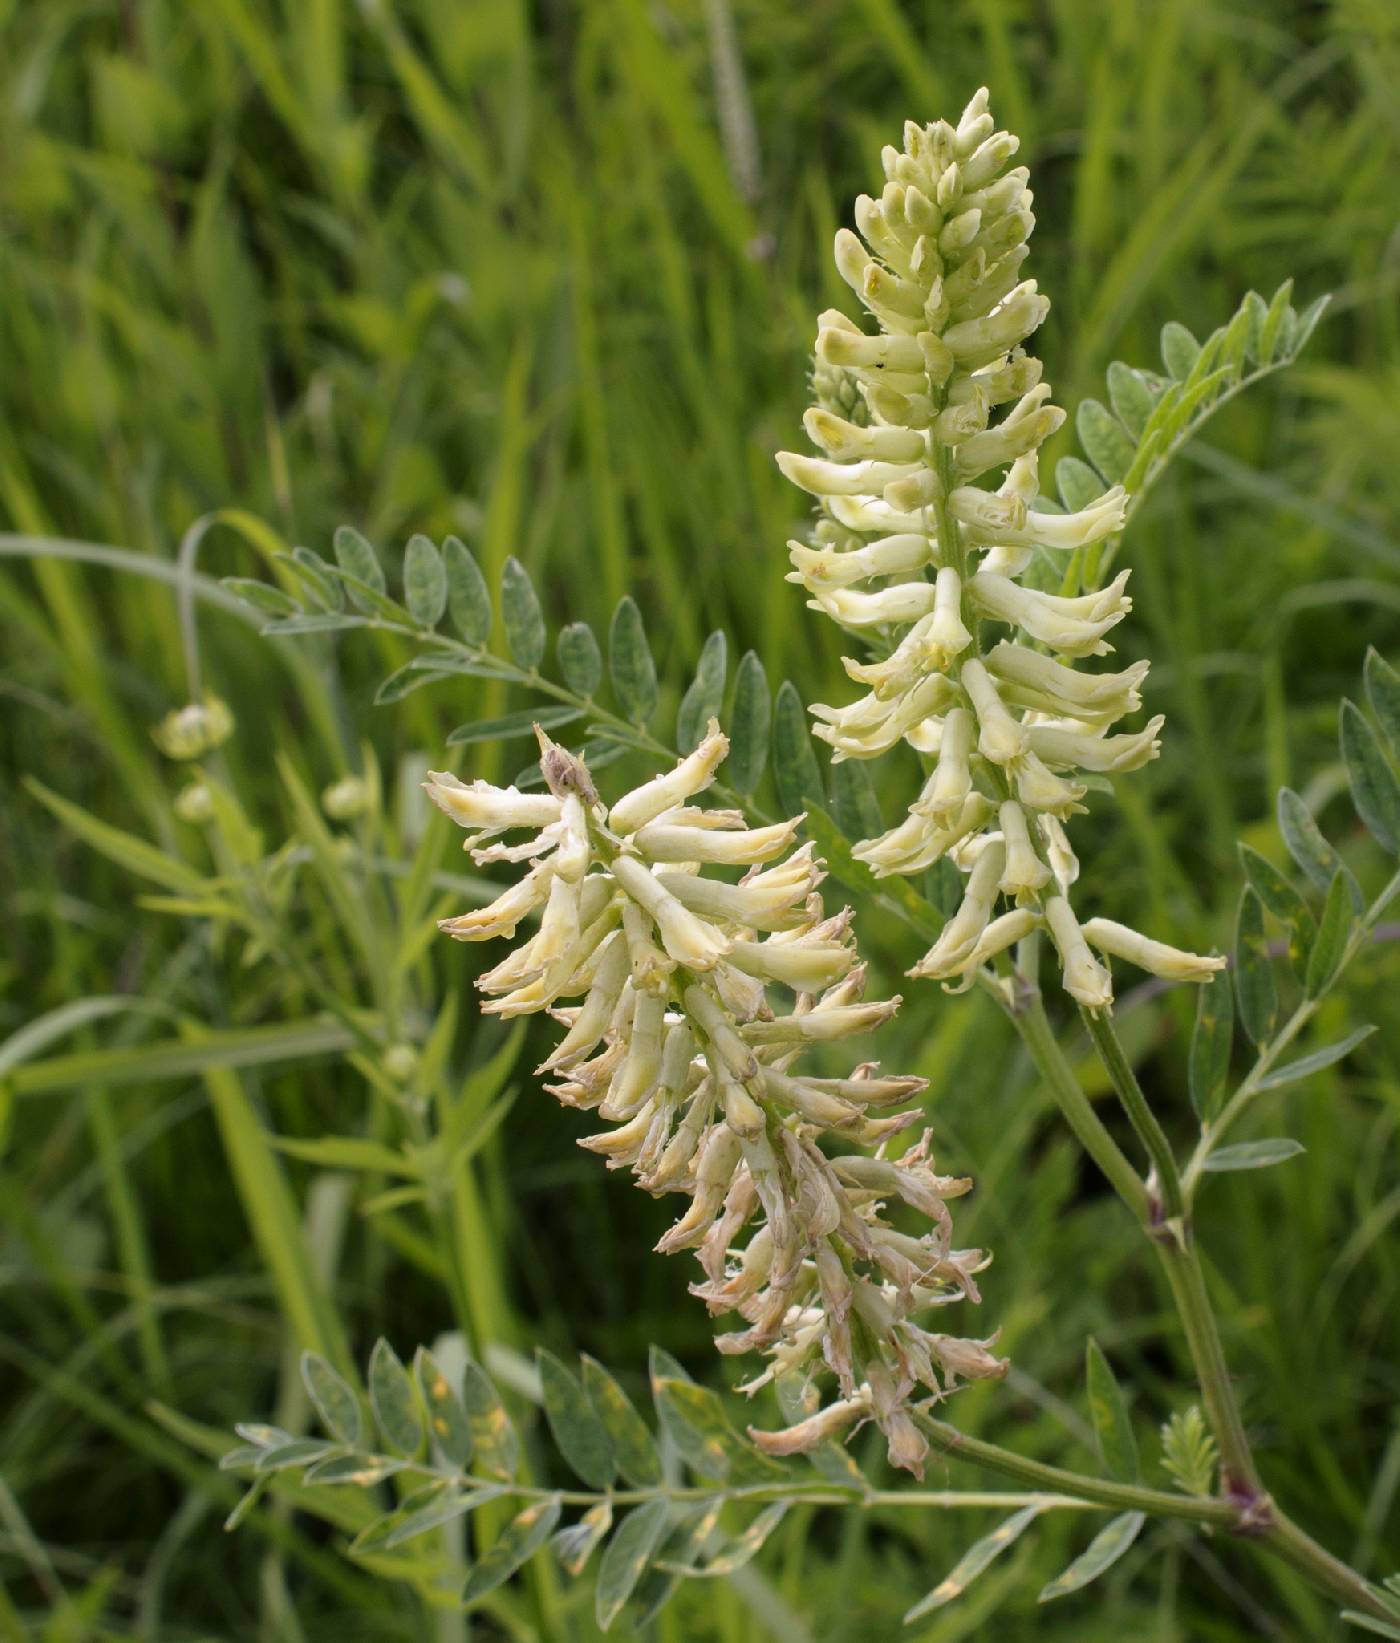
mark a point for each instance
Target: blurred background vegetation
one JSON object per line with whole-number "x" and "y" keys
{"x": 546, "y": 277}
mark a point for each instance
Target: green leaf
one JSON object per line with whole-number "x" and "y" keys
{"x": 740, "y": 1550}
{"x": 1368, "y": 1623}
{"x": 1077, "y": 483}
{"x": 1131, "y": 398}
{"x": 703, "y": 700}
{"x": 354, "y": 555}
{"x": 329, "y": 621}
{"x": 580, "y": 660}
{"x": 1283, "y": 901}
{"x": 130, "y": 853}
{"x": 514, "y": 724}
{"x": 694, "y": 1418}
{"x": 522, "y": 616}
{"x": 1382, "y": 692}
{"x": 1253, "y": 1155}
{"x": 347, "y": 1152}
{"x": 1103, "y": 1552}
{"x": 1333, "y": 934}
{"x": 749, "y": 726}
{"x": 973, "y": 1562}
{"x": 795, "y": 768}
{"x": 1374, "y": 789}
{"x": 1272, "y": 334}
{"x": 576, "y": 1544}
{"x": 633, "y": 1444}
{"x": 1293, "y": 1072}
{"x": 519, "y": 1541}
{"x": 392, "y": 1398}
{"x": 335, "y": 1403}
{"x": 1209, "y": 1064}
{"x": 1319, "y": 862}
{"x": 630, "y": 663}
{"x": 263, "y": 596}
{"x": 582, "y": 1438}
{"x": 361, "y": 1471}
{"x": 299, "y": 1452}
{"x": 1109, "y": 1413}
{"x": 494, "y": 1442}
{"x": 1256, "y": 990}
{"x": 626, "y": 1558}
{"x": 447, "y": 1417}
{"x": 468, "y": 597}
{"x": 853, "y": 800}
{"x": 425, "y": 1509}
{"x": 403, "y": 680}
{"x": 424, "y": 582}
{"x": 315, "y": 576}
{"x": 1180, "y": 350}
{"x": 1105, "y": 440}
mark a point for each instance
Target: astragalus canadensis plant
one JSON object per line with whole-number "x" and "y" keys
{"x": 705, "y": 989}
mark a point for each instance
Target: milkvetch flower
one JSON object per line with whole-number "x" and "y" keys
{"x": 929, "y": 520}
{"x": 660, "y": 972}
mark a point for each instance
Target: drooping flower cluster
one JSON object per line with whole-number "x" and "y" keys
{"x": 677, "y": 1044}
{"x": 928, "y": 521}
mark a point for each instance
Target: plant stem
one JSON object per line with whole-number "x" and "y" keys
{"x": 1028, "y": 1016}
{"x": 1222, "y": 1514}
{"x": 1143, "y": 1119}
{"x": 1329, "y": 1574}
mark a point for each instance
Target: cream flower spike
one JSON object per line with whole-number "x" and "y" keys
{"x": 660, "y": 973}
{"x": 928, "y": 434}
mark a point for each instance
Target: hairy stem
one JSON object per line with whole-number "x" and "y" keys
{"x": 1140, "y": 1114}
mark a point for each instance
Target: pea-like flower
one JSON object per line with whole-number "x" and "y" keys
{"x": 662, "y": 972}
{"x": 927, "y": 483}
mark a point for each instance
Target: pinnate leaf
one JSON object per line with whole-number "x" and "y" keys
{"x": 1103, "y": 1552}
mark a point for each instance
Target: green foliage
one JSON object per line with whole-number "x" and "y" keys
{"x": 1188, "y": 1451}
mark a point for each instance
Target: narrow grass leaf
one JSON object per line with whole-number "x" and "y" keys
{"x": 125, "y": 849}
{"x": 494, "y": 1441}
{"x": 633, "y": 1444}
{"x": 521, "y": 615}
{"x": 582, "y": 1438}
{"x": 1293, "y": 1072}
{"x": 335, "y": 1403}
{"x": 347, "y": 1152}
{"x": 1208, "y": 1066}
{"x": 1374, "y": 790}
{"x": 468, "y": 597}
{"x": 1102, "y": 1553}
{"x": 392, "y": 1398}
{"x": 1256, "y": 989}
{"x": 1333, "y": 933}
{"x": 580, "y": 660}
{"x": 447, "y": 1416}
{"x": 627, "y": 1555}
{"x": 1383, "y": 693}
{"x": 795, "y": 769}
{"x": 1253, "y": 1155}
{"x": 705, "y": 696}
{"x": 424, "y": 582}
{"x": 973, "y": 1562}
{"x": 750, "y": 722}
{"x": 519, "y": 1541}
{"x": 514, "y": 724}
{"x": 630, "y": 663}
{"x": 1109, "y": 1414}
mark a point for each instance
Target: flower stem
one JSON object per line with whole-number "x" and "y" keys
{"x": 1140, "y": 1114}
{"x": 1027, "y": 1014}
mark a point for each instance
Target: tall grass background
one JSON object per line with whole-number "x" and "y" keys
{"x": 546, "y": 277}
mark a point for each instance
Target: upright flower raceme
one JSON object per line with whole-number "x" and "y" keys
{"x": 677, "y": 1043}
{"x": 928, "y": 521}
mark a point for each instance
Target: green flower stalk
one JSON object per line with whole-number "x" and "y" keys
{"x": 928, "y": 525}
{"x": 678, "y": 1045}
